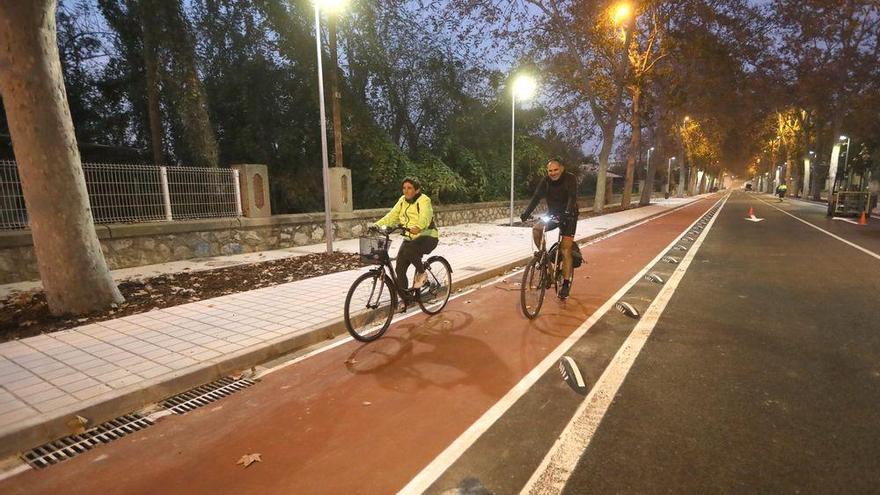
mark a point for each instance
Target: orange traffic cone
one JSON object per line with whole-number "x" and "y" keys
{"x": 863, "y": 220}
{"x": 751, "y": 212}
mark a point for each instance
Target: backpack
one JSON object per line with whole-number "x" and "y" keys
{"x": 577, "y": 259}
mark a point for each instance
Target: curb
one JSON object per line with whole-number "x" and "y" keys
{"x": 46, "y": 428}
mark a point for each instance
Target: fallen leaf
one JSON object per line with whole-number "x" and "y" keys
{"x": 248, "y": 459}
{"x": 77, "y": 424}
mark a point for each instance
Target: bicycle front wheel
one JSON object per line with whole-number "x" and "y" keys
{"x": 534, "y": 283}
{"x": 369, "y": 306}
{"x": 434, "y": 295}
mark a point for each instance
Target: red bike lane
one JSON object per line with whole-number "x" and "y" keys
{"x": 362, "y": 418}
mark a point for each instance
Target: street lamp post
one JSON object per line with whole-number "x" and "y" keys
{"x": 328, "y": 224}
{"x": 669, "y": 174}
{"x": 523, "y": 87}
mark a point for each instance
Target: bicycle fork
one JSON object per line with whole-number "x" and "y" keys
{"x": 381, "y": 281}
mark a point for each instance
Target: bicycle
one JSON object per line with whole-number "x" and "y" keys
{"x": 544, "y": 271}
{"x": 372, "y": 299}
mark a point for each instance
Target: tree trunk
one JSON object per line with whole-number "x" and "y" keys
{"x": 635, "y": 147}
{"x": 601, "y": 177}
{"x": 72, "y": 267}
{"x": 659, "y": 152}
{"x": 610, "y": 125}
{"x": 197, "y": 129}
{"x": 337, "y": 96}
{"x": 152, "y": 81}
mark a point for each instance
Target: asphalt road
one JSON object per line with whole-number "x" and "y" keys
{"x": 763, "y": 373}
{"x": 754, "y": 367}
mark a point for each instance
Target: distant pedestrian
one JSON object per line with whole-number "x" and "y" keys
{"x": 781, "y": 189}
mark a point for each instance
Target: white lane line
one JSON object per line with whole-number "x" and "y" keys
{"x": 496, "y": 280}
{"x": 561, "y": 460}
{"x": 9, "y": 473}
{"x": 442, "y": 462}
{"x": 820, "y": 229}
{"x": 847, "y": 220}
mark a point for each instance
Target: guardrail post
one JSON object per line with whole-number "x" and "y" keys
{"x": 237, "y": 186}
{"x": 166, "y": 192}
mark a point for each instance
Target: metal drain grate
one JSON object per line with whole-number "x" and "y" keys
{"x": 64, "y": 448}
{"x": 206, "y": 394}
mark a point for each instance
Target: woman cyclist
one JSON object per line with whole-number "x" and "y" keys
{"x": 414, "y": 212}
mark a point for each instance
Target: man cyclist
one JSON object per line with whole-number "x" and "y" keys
{"x": 414, "y": 212}
{"x": 559, "y": 189}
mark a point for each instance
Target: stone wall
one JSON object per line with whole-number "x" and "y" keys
{"x": 132, "y": 245}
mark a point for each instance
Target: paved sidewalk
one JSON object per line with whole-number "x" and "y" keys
{"x": 105, "y": 369}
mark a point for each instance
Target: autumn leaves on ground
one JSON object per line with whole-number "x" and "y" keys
{"x": 24, "y": 314}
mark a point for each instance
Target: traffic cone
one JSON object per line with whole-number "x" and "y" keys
{"x": 863, "y": 220}
{"x": 751, "y": 212}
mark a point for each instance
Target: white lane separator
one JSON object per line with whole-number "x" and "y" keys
{"x": 561, "y": 460}
{"x": 820, "y": 229}
{"x": 445, "y": 459}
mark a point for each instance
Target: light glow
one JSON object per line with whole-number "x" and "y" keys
{"x": 331, "y": 5}
{"x": 524, "y": 87}
{"x": 620, "y": 13}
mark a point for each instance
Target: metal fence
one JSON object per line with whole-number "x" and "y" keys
{"x": 136, "y": 193}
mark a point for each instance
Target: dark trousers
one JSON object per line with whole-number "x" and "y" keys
{"x": 411, "y": 253}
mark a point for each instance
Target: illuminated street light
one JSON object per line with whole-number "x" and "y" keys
{"x": 329, "y": 5}
{"x": 524, "y": 87}
{"x": 620, "y": 13}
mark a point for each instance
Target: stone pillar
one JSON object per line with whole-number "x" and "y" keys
{"x": 254, "y": 182}
{"x": 340, "y": 190}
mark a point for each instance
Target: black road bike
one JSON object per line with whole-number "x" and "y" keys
{"x": 372, "y": 299}
{"x": 544, "y": 271}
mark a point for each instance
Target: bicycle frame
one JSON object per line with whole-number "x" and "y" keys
{"x": 386, "y": 267}
{"x": 544, "y": 251}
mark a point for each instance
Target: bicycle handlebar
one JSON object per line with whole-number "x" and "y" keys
{"x": 387, "y": 231}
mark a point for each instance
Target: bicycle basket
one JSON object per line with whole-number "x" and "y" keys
{"x": 374, "y": 249}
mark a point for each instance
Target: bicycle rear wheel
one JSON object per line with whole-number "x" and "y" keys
{"x": 534, "y": 284}
{"x": 369, "y": 306}
{"x": 434, "y": 295}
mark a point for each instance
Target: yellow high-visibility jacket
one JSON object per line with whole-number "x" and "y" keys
{"x": 418, "y": 213}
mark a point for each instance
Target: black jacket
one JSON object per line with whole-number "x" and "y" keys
{"x": 561, "y": 195}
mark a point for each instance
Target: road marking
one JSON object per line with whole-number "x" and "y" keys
{"x": 9, "y": 473}
{"x": 557, "y": 466}
{"x": 847, "y": 220}
{"x": 488, "y": 283}
{"x": 424, "y": 479}
{"x": 820, "y": 229}
{"x": 753, "y": 218}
